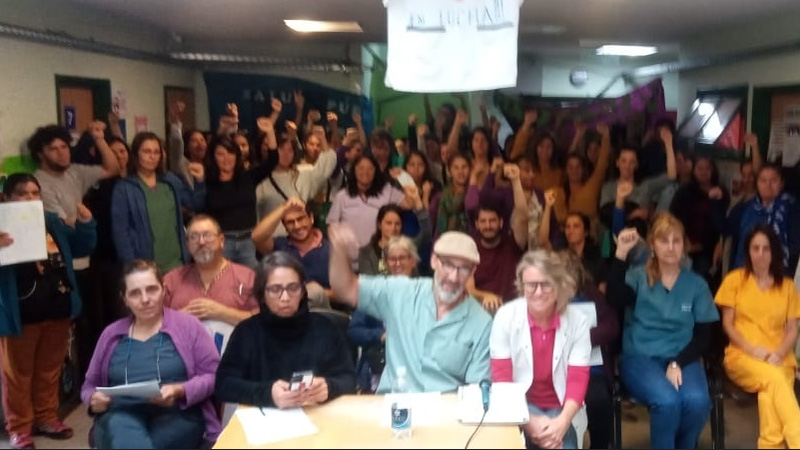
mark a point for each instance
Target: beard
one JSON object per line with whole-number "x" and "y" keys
{"x": 444, "y": 296}
{"x": 203, "y": 256}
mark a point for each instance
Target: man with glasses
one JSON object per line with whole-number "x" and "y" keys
{"x": 211, "y": 287}
{"x": 304, "y": 241}
{"x": 435, "y": 329}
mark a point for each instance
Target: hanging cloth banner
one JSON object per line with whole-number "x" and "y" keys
{"x": 452, "y": 45}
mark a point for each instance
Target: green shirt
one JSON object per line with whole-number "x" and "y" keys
{"x": 437, "y": 355}
{"x": 661, "y": 324}
{"x": 163, "y": 218}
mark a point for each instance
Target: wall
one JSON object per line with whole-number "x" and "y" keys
{"x": 29, "y": 94}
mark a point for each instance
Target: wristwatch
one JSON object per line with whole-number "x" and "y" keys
{"x": 674, "y": 365}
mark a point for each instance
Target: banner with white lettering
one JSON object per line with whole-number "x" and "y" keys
{"x": 452, "y": 45}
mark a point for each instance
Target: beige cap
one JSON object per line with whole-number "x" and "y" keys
{"x": 457, "y": 244}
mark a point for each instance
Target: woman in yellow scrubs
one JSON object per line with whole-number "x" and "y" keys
{"x": 760, "y": 311}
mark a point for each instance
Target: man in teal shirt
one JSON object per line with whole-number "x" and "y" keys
{"x": 434, "y": 329}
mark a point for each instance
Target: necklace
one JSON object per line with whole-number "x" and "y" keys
{"x": 158, "y": 354}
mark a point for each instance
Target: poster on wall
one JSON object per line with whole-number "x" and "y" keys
{"x": 784, "y": 137}
{"x": 140, "y": 123}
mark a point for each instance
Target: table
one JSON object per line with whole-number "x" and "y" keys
{"x": 353, "y": 421}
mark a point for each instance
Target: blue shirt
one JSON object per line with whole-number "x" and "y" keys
{"x": 661, "y": 324}
{"x": 439, "y": 355}
{"x": 315, "y": 262}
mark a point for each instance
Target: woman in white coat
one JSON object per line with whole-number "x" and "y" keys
{"x": 541, "y": 343}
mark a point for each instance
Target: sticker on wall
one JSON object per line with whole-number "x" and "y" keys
{"x": 70, "y": 120}
{"x": 140, "y": 123}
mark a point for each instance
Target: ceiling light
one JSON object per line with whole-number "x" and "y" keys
{"x": 626, "y": 50}
{"x": 542, "y": 29}
{"x": 323, "y": 26}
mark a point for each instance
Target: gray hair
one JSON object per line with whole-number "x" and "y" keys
{"x": 553, "y": 266}
{"x": 403, "y": 243}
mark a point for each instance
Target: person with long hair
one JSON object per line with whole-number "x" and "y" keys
{"x": 581, "y": 190}
{"x": 285, "y": 337}
{"x": 40, "y": 299}
{"x": 389, "y": 225}
{"x": 760, "y": 313}
{"x": 286, "y": 181}
{"x": 771, "y": 205}
{"x": 542, "y": 343}
{"x": 579, "y": 241}
{"x": 231, "y": 196}
{"x": 368, "y": 189}
{"x": 447, "y": 210}
{"x": 669, "y": 312}
{"x": 153, "y": 343}
{"x": 701, "y": 206}
{"x": 146, "y": 213}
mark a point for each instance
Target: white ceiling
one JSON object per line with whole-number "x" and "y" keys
{"x": 249, "y": 23}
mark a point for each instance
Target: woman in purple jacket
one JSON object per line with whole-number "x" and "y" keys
{"x": 154, "y": 343}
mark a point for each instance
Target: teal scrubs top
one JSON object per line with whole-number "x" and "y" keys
{"x": 437, "y": 355}
{"x": 661, "y": 324}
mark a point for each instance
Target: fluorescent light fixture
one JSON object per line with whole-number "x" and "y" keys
{"x": 323, "y": 26}
{"x": 626, "y": 50}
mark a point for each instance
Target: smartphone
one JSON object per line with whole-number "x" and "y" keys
{"x": 301, "y": 379}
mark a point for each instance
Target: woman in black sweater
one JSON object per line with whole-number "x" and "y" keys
{"x": 285, "y": 337}
{"x": 231, "y": 196}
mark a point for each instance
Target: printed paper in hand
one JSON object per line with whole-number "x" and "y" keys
{"x": 24, "y": 222}
{"x": 143, "y": 390}
{"x": 266, "y": 425}
{"x": 590, "y": 311}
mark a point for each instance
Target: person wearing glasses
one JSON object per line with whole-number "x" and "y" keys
{"x": 212, "y": 287}
{"x": 541, "y": 342}
{"x": 435, "y": 329}
{"x": 669, "y": 312}
{"x": 265, "y": 350}
{"x": 153, "y": 343}
{"x": 401, "y": 258}
{"x": 146, "y": 216}
{"x": 304, "y": 241}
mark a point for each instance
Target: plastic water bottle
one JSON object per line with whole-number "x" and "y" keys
{"x": 401, "y": 407}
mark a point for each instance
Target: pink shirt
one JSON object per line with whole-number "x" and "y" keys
{"x": 542, "y": 393}
{"x": 233, "y": 287}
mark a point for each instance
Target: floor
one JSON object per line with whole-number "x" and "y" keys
{"x": 741, "y": 427}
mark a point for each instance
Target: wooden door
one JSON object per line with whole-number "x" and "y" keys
{"x": 77, "y": 109}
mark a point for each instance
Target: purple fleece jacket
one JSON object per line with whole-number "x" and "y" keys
{"x": 197, "y": 351}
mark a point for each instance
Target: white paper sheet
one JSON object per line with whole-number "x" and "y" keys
{"x": 143, "y": 390}
{"x": 507, "y": 404}
{"x": 24, "y": 222}
{"x": 265, "y": 425}
{"x": 590, "y": 311}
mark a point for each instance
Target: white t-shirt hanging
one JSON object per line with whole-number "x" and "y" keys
{"x": 452, "y": 45}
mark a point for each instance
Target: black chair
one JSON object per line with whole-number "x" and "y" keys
{"x": 341, "y": 321}
{"x": 715, "y": 392}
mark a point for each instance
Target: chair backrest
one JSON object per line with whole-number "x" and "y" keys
{"x": 342, "y": 322}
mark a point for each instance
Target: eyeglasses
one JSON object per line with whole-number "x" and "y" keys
{"x": 206, "y": 236}
{"x": 392, "y": 260}
{"x": 448, "y": 268}
{"x": 544, "y": 287}
{"x": 276, "y": 290}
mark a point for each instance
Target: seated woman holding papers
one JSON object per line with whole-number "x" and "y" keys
{"x": 154, "y": 343}
{"x": 544, "y": 344}
{"x": 265, "y": 350}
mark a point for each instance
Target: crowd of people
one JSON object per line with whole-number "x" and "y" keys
{"x": 202, "y": 262}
